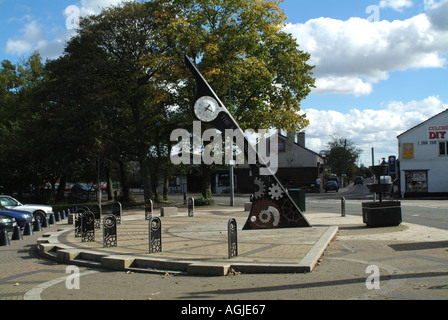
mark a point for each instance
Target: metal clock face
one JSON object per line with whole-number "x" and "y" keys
{"x": 206, "y": 109}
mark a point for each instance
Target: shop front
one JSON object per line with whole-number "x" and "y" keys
{"x": 423, "y": 159}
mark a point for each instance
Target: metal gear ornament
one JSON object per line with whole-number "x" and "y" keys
{"x": 259, "y": 186}
{"x": 275, "y": 192}
{"x": 268, "y": 215}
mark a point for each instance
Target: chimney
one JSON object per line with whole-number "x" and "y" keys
{"x": 301, "y": 139}
{"x": 290, "y": 138}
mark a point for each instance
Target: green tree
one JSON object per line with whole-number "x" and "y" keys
{"x": 341, "y": 156}
{"x": 21, "y": 158}
{"x": 122, "y": 84}
{"x": 255, "y": 68}
{"x": 119, "y": 71}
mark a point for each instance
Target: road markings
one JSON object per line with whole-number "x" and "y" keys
{"x": 35, "y": 293}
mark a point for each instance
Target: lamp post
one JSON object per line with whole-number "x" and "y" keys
{"x": 232, "y": 184}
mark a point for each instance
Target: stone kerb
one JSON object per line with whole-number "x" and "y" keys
{"x": 168, "y": 211}
{"x": 50, "y": 247}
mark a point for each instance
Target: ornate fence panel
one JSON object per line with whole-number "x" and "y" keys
{"x": 117, "y": 211}
{"x": 78, "y": 222}
{"x": 149, "y": 209}
{"x": 88, "y": 227}
{"x": 110, "y": 231}
{"x": 97, "y": 211}
{"x": 191, "y": 207}
{"x": 155, "y": 235}
{"x": 233, "y": 238}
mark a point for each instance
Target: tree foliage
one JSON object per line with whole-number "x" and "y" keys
{"x": 254, "y": 67}
{"x": 341, "y": 156}
{"x": 120, "y": 88}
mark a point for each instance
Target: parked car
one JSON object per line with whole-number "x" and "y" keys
{"x": 359, "y": 180}
{"x": 7, "y": 223}
{"x": 21, "y": 217}
{"x": 81, "y": 187}
{"x": 37, "y": 210}
{"x": 331, "y": 185}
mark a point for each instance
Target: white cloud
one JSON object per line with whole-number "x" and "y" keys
{"x": 51, "y": 42}
{"x": 396, "y": 4}
{"x": 363, "y": 53}
{"x": 30, "y": 35}
{"x": 342, "y": 86}
{"x": 18, "y": 47}
{"x": 370, "y": 128}
{"x": 89, "y": 7}
{"x": 438, "y": 13}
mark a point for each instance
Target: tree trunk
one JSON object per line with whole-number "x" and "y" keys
{"x": 165, "y": 187}
{"x": 146, "y": 178}
{"x": 126, "y": 197}
{"x": 206, "y": 182}
{"x": 110, "y": 187}
{"x": 60, "y": 195}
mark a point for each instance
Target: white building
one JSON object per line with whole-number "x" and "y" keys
{"x": 423, "y": 158}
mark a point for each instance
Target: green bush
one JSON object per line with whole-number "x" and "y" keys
{"x": 201, "y": 202}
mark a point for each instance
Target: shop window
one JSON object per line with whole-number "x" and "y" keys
{"x": 223, "y": 180}
{"x": 443, "y": 148}
{"x": 416, "y": 181}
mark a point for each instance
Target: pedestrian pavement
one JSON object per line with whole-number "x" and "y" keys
{"x": 199, "y": 245}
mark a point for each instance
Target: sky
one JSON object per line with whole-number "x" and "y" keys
{"x": 380, "y": 65}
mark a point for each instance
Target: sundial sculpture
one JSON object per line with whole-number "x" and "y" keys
{"x": 272, "y": 206}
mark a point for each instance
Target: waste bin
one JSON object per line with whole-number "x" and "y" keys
{"x": 298, "y": 196}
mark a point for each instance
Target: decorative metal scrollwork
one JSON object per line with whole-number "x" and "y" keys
{"x": 233, "y": 238}
{"x": 110, "y": 231}
{"x": 96, "y": 210}
{"x": 88, "y": 227}
{"x": 191, "y": 207}
{"x": 78, "y": 222}
{"x": 117, "y": 211}
{"x": 155, "y": 235}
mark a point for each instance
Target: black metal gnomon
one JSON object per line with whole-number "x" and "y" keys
{"x": 88, "y": 227}
{"x": 110, "y": 231}
{"x": 233, "y": 238}
{"x": 191, "y": 207}
{"x": 155, "y": 235}
{"x": 117, "y": 211}
{"x": 149, "y": 209}
{"x": 272, "y": 206}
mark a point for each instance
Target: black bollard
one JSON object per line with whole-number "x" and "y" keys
{"x": 45, "y": 223}
{"x": 4, "y": 239}
{"x": 57, "y": 216}
{"x": 28, "y": 231}
{"x": 17, "y": 234}
{"x": 37, "y": 225}
{"x": 52, "y": 219}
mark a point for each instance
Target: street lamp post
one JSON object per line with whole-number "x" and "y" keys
{"x": 232, "y": 185}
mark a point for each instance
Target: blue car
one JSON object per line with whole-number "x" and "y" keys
{"x": 22, "y": 217}
{"x": 7, "y": 223}
{"x": 331, "y": 185}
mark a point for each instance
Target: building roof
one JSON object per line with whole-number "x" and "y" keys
{"x": 298, "y": 145}
{"x": 422, "y": 123}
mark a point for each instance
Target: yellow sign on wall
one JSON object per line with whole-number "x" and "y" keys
{"x": 408, "y": 151}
